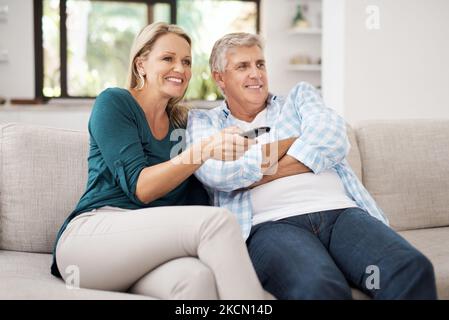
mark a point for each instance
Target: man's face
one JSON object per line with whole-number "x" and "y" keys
{"x": 244, "y": 80}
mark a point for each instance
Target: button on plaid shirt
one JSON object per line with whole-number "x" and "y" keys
{"x": 322, "y": 145}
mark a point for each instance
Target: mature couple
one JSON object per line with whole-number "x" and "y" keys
{"x": 311, "y": 228}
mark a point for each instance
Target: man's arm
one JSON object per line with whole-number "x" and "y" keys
{"x": 287, "y": 166}
{"x": 272, "y": 153}
{"x": 232, "y": 175}
{"x": 323, "y": 142}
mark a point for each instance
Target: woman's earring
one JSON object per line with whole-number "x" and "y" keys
{"x": 141, "y": 81}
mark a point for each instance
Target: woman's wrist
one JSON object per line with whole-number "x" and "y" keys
{"x": 197, "y": 153}
{"x": 204, "y": 150}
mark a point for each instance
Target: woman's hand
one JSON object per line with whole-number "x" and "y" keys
{"x": 226, "y": 145}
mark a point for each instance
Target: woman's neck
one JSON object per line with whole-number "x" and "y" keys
{"x": 152, "y": 104}
{"x": 154, "y": 108}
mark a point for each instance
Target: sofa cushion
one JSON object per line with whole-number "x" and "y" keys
{"x": 354, "y": 153}
{"x": 406, "y": 169}
{"x": 43, "y": 175}
{"x": 26, "y": 276}
{"x": 432, "y": 243}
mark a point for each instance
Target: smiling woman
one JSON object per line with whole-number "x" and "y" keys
{"x": 159, "y": 78}
{"x": 143, "y": 208}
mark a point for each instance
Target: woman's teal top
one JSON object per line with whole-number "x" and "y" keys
{"x": 121, "y": 145}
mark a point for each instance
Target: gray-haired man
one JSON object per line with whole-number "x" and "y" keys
{"x": 312, "y": 229}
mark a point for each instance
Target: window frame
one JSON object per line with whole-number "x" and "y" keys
{"x": 39, "y": 45}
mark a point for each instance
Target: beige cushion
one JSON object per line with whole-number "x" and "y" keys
{"x": 354, "y": 153}
{"x": 433, "y": 243}
{"x": 359, "y": 295}
{"x": 406, "y": 169}
{"x": 43, "y": 175}
{"x": 27, "y": 276}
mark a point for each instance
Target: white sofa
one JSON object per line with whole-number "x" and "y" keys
{"x": 43, "y": 172}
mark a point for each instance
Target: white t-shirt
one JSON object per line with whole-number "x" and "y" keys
{"x": 299, "y": 194}
{"x": 294, "y": 195}
{"x": 259, "y": 121}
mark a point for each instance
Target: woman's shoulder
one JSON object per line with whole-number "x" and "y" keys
{"x": 112, "y": 94}
{"x": 113, "y": 103}
{"x": 114, "y": 98}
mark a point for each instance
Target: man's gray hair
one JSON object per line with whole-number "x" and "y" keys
{"x": 217, "y": 60}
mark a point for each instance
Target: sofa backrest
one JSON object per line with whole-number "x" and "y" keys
{"x": 406, "y": 169}
{"x": 43, "y": 173}
{"x": 354, "y": 154}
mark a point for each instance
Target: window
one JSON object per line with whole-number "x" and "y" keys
{"x": 82, "y": 46}
{"x": 206, "y": 21}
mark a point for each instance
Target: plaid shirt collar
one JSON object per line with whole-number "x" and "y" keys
{"x": 227, "y": 119}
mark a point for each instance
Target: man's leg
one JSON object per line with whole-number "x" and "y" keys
{"x": 292, "y": 263}
{"x": 361, "y": 245}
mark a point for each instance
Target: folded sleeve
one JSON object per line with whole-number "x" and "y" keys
{"x": 322, "y": 141}
{"x": 113, "y": 129}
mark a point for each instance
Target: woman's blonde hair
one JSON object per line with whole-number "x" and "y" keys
{"x": 142, "y": 45}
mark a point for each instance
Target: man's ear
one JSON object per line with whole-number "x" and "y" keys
{"x": 218, "y": 77}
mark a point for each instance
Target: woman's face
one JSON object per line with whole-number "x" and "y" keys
{"x": 168, "y": 66}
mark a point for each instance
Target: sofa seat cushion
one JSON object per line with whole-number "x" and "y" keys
{"x": 406, "y": 169}
{"x": 433, "y": 243}
{"x": 27, "y": 276}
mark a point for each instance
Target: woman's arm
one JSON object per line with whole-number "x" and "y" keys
{"x": 158, "y": 180}
{"x": 113, "y": 131}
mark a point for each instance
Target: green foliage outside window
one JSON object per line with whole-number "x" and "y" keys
{"x": 100, "y": 34}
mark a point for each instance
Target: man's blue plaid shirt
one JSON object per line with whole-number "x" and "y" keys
{"x": 322, "y": 144}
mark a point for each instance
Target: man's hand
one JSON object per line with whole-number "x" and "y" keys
{"x": 287, "y": 166}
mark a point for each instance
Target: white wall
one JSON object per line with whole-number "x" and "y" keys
{"x": 333, "y": 44}
{"x": 400, "y": 70}
{"x": 276, "y": 17}
{"x": 17, "y": 37}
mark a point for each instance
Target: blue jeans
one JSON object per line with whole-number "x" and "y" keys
{"x": 320, "y": 255}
